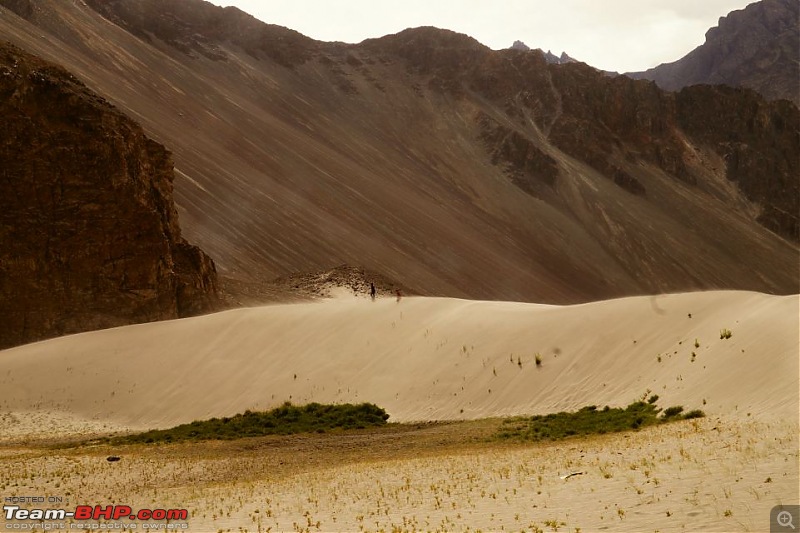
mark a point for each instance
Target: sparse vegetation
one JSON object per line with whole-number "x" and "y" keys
{"x": 285, "y": 420}
{"x": 538, "y": 359}
{"x": 589, "y": 420}
{"x": 725, "y": 333}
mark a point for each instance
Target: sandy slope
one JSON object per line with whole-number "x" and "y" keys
{"x": 421, "y": 358}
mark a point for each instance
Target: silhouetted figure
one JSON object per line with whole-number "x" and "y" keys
{"x": 372, "y": 291}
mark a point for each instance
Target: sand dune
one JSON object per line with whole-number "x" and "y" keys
{"x": 420, "y": 359}
{"x": 424, "y": 358}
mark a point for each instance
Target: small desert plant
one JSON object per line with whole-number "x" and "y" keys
{"x": 696, "y": 343}
{"x": 653, "y": 398}
{"x": 538, "y": 359}
{"x": 725, "y": 333}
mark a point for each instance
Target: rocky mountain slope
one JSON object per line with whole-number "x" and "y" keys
{"x": 757, "y": 47}
{"x": 435, "y": 161}
{"x": 89, "y": 232}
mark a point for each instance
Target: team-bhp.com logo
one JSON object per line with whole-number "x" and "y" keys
{"x": 117, "y": 517}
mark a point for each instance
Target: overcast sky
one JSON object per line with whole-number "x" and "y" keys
{"x": 621, "y": 35}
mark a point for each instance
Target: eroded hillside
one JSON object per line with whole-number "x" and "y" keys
{"x": 451, "y": 168}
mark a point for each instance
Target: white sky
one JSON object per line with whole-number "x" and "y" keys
{"x": 620, "y": 35}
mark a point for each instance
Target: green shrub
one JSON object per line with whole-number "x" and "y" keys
{"x": 590, "y": 420}
{"x": 284, "y": 420}
{"x": 669, "y": 412}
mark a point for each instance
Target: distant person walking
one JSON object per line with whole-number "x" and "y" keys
{"x": 372, "y": 291}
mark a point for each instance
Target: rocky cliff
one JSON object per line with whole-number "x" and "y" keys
{"x": 89, "y": 234}
{"x": 757, "y": 47}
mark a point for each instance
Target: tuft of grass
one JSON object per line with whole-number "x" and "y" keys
{"x": 284, "y": 420}
{"x": 590, "y": 421}
{"x": 538, "y": 359}
{"x": 725, "y": 333}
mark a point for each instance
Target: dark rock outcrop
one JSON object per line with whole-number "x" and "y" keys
{"x": 89, "y": 235}
{"x": 525, "y": 163}
{"x": 759, "y": 144}
{"x": 23, "y": 8}
{"x": 756, "y": 47}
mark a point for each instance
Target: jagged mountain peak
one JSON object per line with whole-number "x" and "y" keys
{"x": 519, "y": 45}
{"x": 549, "y": 56}
{"x": 755, "y": 47}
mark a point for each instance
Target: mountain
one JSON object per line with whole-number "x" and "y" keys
{"x": 548, "y": 56}
{"x": 757, "y": 47}
{"x": 424, "y": 156}
{"x": 89, "y": 232}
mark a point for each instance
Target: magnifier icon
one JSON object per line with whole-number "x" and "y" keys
{"x": 785, "y": 519}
